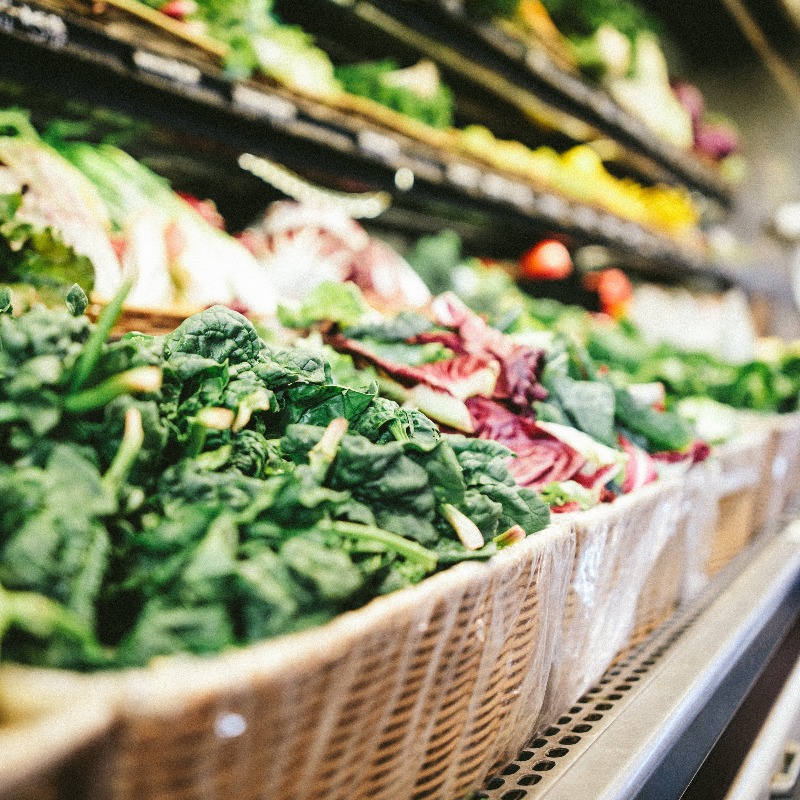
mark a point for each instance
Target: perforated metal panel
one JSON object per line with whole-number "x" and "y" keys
{"x": 555, "y": 749}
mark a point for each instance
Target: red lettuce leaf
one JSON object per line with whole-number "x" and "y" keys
{"x": 699, "y": 451}
{"x": 438, "y": 374}
{"x": 573, "y": 505}
{"x": 541, "y": 458}
{"x": 520, "y": 366}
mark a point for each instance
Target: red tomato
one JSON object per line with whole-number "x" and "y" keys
{"x": 179, "y": 9}
{"x": 548, "y": 260}
{"x": 614, "y": 289}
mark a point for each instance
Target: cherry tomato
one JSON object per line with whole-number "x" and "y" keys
{"x": 179, "y": 9}
{"x": 614, "y": 289}
{"x": 548, "y": 260}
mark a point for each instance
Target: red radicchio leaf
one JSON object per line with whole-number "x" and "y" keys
{"x": 378, "y": 269}
{"x": 438, "y": 375}
{"x": 640, "y": 469}
{"x": 449, "y": 339}
{"x": 207, "y": 209}
{"x": 699, "y": 451}
{"x": 541, "y": 458}
{"x": 572, "y": 505}
{"x": 607, "y": 496}
{"x": 451, "y": 370}
{"x": 519, "y": 377}
{"x": 598, "y": 478}
{"x": 520, "y": 366}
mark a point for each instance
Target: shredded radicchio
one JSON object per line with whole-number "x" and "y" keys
{"x": 640, "y": 469}
{"x": 566, "y": 508}
{"x": 438, "y": 374}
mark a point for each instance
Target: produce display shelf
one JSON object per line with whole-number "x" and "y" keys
{"x": 534, "y": 77}
{"x": 74, "y": 56}
{"x": 645, "y": 729}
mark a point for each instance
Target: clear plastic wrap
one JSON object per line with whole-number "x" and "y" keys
{"x": 678, "y": 573}
{"x": 700, "y": 514}
{"x": 418, "y": 694}
{"x": 781, "y": 468}
{"x": 616, "y": 548}
{"x": 742, "y": 463}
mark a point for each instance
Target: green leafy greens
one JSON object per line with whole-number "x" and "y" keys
{"x": 203, "y": 490}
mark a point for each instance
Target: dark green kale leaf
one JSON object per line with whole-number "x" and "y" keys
{"x": 485, "y": 467}
{"x": 35, "y": 629}
{"x": 312, "y": 404}
{"x": 60, "y": 546}
{"x": 588, "y": 405}
{"x": 164, "y": 628}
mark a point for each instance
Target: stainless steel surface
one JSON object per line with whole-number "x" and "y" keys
{"x": 611, "y": 741}
{"x": 773, "y": 764}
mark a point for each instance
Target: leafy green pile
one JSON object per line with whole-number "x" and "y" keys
{"x": 37, "y": 256}
{"x": 582, "y": 393}
{"x": 416, "y": 91}
{"x": 576, "y": 18}
{"x": 756, "y": 385}
{"x": 257, "y": 41}
{"x": 617, "y": 347}
{"x": 204, "y": 490}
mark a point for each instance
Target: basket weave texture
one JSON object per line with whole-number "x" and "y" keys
{"x": 419, "y": 694}
{"x": 617, "y": 547}
{"x": 678, "y": 573}
{"x": 742, "y": 463}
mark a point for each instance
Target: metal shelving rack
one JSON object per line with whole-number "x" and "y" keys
{"x": 518, "y": 73}
{"x": 75, "y": 57}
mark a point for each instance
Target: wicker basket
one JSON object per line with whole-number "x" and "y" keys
{"x": 679, "y": 571}
{"x": 154, "y": 322}
{"x": 617, "y": 546}
{"x": 742, "y": 462}
{"x": 419, "y": 694}
{"x": 781, "y": 476}
{"x": 53, "y": 733}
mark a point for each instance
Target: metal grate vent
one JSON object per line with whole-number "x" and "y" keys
{"x": 554, "y": 749}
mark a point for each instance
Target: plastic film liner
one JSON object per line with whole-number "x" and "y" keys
{"x": 617, "y": 546}
{"x": 678, "y": 573}
{"x": 781, "y": 474}
{"x": 418, "y": 694}
{"x": 700, "y": 514}
{"x": 742, "y": 465}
